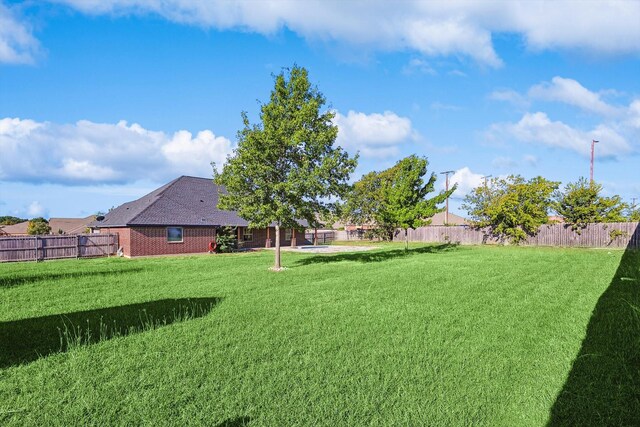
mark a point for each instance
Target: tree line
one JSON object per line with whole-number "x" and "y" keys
{"x": 286, "y": 170}
{"x": 514, "y": 208}
{"x": 36, "y": 226}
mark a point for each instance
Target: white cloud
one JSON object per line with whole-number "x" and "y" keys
{"x": 416, "y": 65}
{"x": 187, "y": 151}
{"x": 634, "y": 114}
{"x": 537, "y": 128}
{"x": 98, "y": 153}
{"x": 35, "y": 209}
{"x": 435, "y": 28}
{"x": 510, "y": 96}
{"x": 452, "y": 36}
{"x": 466, "y": 180}
{"x": 374, "y": 135}
{"x": 571, "y": 92}
{"x": 530, "y": 159}
{"x": 17, "y": 44}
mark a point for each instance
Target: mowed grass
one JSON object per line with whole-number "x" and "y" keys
{"x": 440, "y": 335}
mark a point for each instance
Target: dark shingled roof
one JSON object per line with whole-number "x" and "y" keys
{"x": 187, "y": 201}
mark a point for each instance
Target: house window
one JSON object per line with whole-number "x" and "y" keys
{"x": 174, "y": 234}
{"x": 247, "y": 236}
{"x": 287, "y": 234}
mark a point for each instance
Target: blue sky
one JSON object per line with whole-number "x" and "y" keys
{"x": 103, "y": 101}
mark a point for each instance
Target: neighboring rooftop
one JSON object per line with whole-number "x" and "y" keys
{"x": 58, "y": 226}
{"x": 186, "y": 201}
{"x": 439, "y": 219}
{"x": 19, "y": 229}
{"x": 70, "y": 225}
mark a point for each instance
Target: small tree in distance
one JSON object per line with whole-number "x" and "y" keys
{"x": 38, "y": 226}
{"x": 286, "y": 168}
{"x": 396, "y": 198}
{"x": 581, "y": 203}
{"x": 512, "y": 207}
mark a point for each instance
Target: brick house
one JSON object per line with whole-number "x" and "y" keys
{"x": 182, "y": 217}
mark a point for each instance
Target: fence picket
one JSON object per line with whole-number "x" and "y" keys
{"x": 593, "y": 236}
{"x": 46, "y": 247}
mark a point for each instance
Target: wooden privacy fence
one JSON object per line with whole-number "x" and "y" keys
{"x": 610, "y": 235}
{"x": 40, "y": 248}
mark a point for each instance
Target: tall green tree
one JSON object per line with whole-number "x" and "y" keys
{"x": 366, "y": 205}
{"x": 581, "y": 203}
{"x": 396, "y": 198}
{"x": 38, "y": 226}
{"x": 512, "y": 207}
{"x": 286, "y": 168}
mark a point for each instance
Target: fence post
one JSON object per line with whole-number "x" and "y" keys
{"x": 77, "y": 246}
{"x": 36, "y": 248}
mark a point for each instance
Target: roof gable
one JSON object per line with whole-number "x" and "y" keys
{"x": 187, "y": 201}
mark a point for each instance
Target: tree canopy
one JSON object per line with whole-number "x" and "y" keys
{"x": 38, "y": 226}
{"x": 10, "y": 220}
{"x": 512, "y": 207}
{"x": 395, "y": 198}
{"x": 581, "y": 203}
{"x": 286, "y": 168}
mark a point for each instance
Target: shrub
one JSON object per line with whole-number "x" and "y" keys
{"x": 226, "y": 240}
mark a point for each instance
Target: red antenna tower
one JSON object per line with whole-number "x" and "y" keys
{"x": 593, "y": 146}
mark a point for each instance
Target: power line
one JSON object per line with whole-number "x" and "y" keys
{"x": 593, "y": 146}
{"x": 446, "y": 211}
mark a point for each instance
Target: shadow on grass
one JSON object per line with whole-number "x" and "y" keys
{"x": 376, "y": 255}
{"x": 8, "y": 282}
{"x": 235, "y": 422}
{"x": 23, "y": 341}
{"x": 603, "y": 386}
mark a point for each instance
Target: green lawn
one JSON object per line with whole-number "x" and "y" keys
{"x": 495, "y": 336}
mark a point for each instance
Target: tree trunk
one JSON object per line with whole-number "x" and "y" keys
{"x": 277, "y": 261}
{"x": 406, "y": 240}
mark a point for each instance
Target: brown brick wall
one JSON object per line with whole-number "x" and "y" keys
{"x": 124, "y": 238}
{"x": 153, "y": 241}
{"x": 144, "y": 241}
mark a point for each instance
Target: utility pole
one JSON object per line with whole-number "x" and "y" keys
{"x": 485, "y": 179}
{"x": 633, "y": 202}
{"x": 446, "y": 211}
{"x": 593, "y": 145}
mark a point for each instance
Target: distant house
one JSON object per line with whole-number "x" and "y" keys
{"x": 556, "y": 219}
{"x": 182, "y": 217}
{"x": 441, "y": 219}
{"x": 58, "y": 226}
{"x": 19, "y": 229}
{"x": 70, "y": 225}
{"x": 438, "y": 219}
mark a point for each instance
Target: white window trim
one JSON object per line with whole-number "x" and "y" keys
{"x": 181, "y": 234}
{"x": 288, "y": 232}
{"x": 247, "y": 232}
